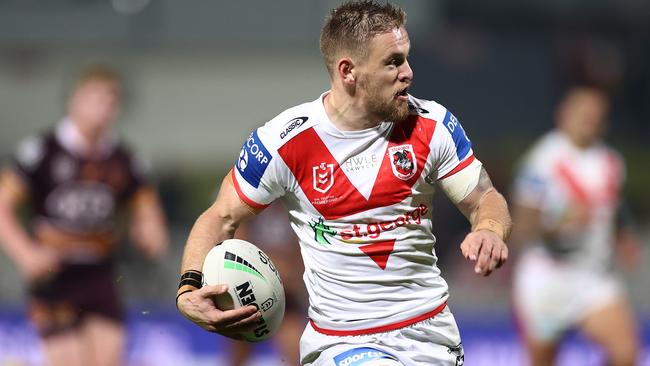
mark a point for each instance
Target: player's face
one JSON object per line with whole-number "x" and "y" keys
{"x": 583, "y": 116}
{"x": 385, "y": 76}
{"x": 95, "y": 106}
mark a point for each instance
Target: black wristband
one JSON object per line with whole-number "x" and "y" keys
{"x": 191, "y": 282}
{"x": 193, "y": 274}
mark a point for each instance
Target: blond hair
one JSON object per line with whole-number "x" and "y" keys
{"x": 99, "y": 72}
{"x": 350, "y": 27}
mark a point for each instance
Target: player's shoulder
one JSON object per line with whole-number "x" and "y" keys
{"x": 435, "y": 113}
{"x": 124, "y": 148}
{"x": 545, "y": 152}
{"x": 610, "y": 151}
{"x": 288, "y": 124}
{"x": 126, "y": 152}
{"x": 427, "y": 109}
{"x": 33, "y": 149}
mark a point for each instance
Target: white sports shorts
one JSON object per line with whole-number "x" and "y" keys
{"x": 552, "y": 296}
{"x": 434, "y": 341}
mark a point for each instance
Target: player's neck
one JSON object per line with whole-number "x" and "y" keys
{"x": 579, "y": 142}
{"x": 91, "y": 137}
{"x": 346, "y": 113}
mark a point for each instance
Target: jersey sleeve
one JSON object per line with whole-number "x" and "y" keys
{"x": 138, "y": 169}
{"x": 453, "y": 146}
{"x": 258, "y": 171}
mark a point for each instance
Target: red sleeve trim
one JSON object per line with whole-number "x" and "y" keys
{"x": 242, "y": 196}
{"x": 459, "y": 167}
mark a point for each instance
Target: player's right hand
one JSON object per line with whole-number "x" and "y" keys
{"x": 199, "y": 307}
{"x": 39, "y": 263}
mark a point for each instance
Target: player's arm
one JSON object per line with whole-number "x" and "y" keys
{"x": 529, "y": 226}
{"x": 148, "y": 227}
{"x": 215, "y": 225}
{"x": 627, "y": 239}
{"x": 33, "y": 260}
{"x": 487, "y": 211}
{"x": 528, "y": 219}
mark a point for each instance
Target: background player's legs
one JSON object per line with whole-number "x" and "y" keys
{"x": 103, "y": 340}
{"x": 288, "y": 338}
{"x": 65, "y": 349}
{"x": 541, "y": 353}
{"x": 240, "y": 353}
{"x": 287, "y": 341}
{"x": 613, "y": 327}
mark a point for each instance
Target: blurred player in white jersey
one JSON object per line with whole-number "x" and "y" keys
{"x": 566, "y": 205}
{"x": 357, "y": 169}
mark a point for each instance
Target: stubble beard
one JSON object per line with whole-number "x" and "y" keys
{"x": 392, "y": 111}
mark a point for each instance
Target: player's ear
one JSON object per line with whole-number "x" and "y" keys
{"x": 345, "y": 70}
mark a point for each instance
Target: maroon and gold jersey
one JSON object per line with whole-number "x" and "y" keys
{"x": 75, "y": 199}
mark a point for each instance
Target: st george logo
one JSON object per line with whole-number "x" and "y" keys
{"x": 323, "y": 175}
{"x": 403, "y": 162}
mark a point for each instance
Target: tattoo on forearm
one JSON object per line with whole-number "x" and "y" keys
{"x": 484, "y": 182}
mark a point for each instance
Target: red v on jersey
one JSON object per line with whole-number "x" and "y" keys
{"x": 580, "y": 194}
{"x": 314, "y": 167}
{"x": 379, "y": 252}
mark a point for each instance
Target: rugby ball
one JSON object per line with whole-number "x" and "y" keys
{"x": 252, "y": 279}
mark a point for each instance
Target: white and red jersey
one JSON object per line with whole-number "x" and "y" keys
{"x": 360, "y": 204}
{"x": 557, "y": 177}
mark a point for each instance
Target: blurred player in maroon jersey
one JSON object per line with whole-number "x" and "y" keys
{"x": 78, "y": 178}
{"x": 271, "y": 231}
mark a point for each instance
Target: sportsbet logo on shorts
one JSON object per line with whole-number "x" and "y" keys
{"x": 362, "y": 356}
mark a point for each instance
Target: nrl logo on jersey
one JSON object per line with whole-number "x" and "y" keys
{"x": 323, "y": 177}
{"x": 403, "y": 162}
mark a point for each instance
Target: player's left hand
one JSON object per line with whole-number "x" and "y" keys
{"x": 485, "y": 248}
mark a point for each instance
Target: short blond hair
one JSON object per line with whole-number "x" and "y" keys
{"x": 99, "y": 72}
{"x": 350, "y": 27}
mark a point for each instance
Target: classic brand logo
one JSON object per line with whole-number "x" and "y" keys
{"x": 413, "y": 107}
{"x": 292, "y": 125}
{"x": 323, "y": 175}
{"x": 403, "y": 162}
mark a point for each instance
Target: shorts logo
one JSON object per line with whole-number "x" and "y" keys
{"x": 323, "y": 175}
{"x": 362, "y": 355}
{"x": 403, "y": 162}
{"x": 459, "y": 353}
{"x": 253, "y": 160}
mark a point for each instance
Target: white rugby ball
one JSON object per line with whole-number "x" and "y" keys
{"x": 252, "y": 279}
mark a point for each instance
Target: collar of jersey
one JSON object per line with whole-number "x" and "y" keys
{"x": 71, "y": 139}
{"x": 329, "y": 128}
